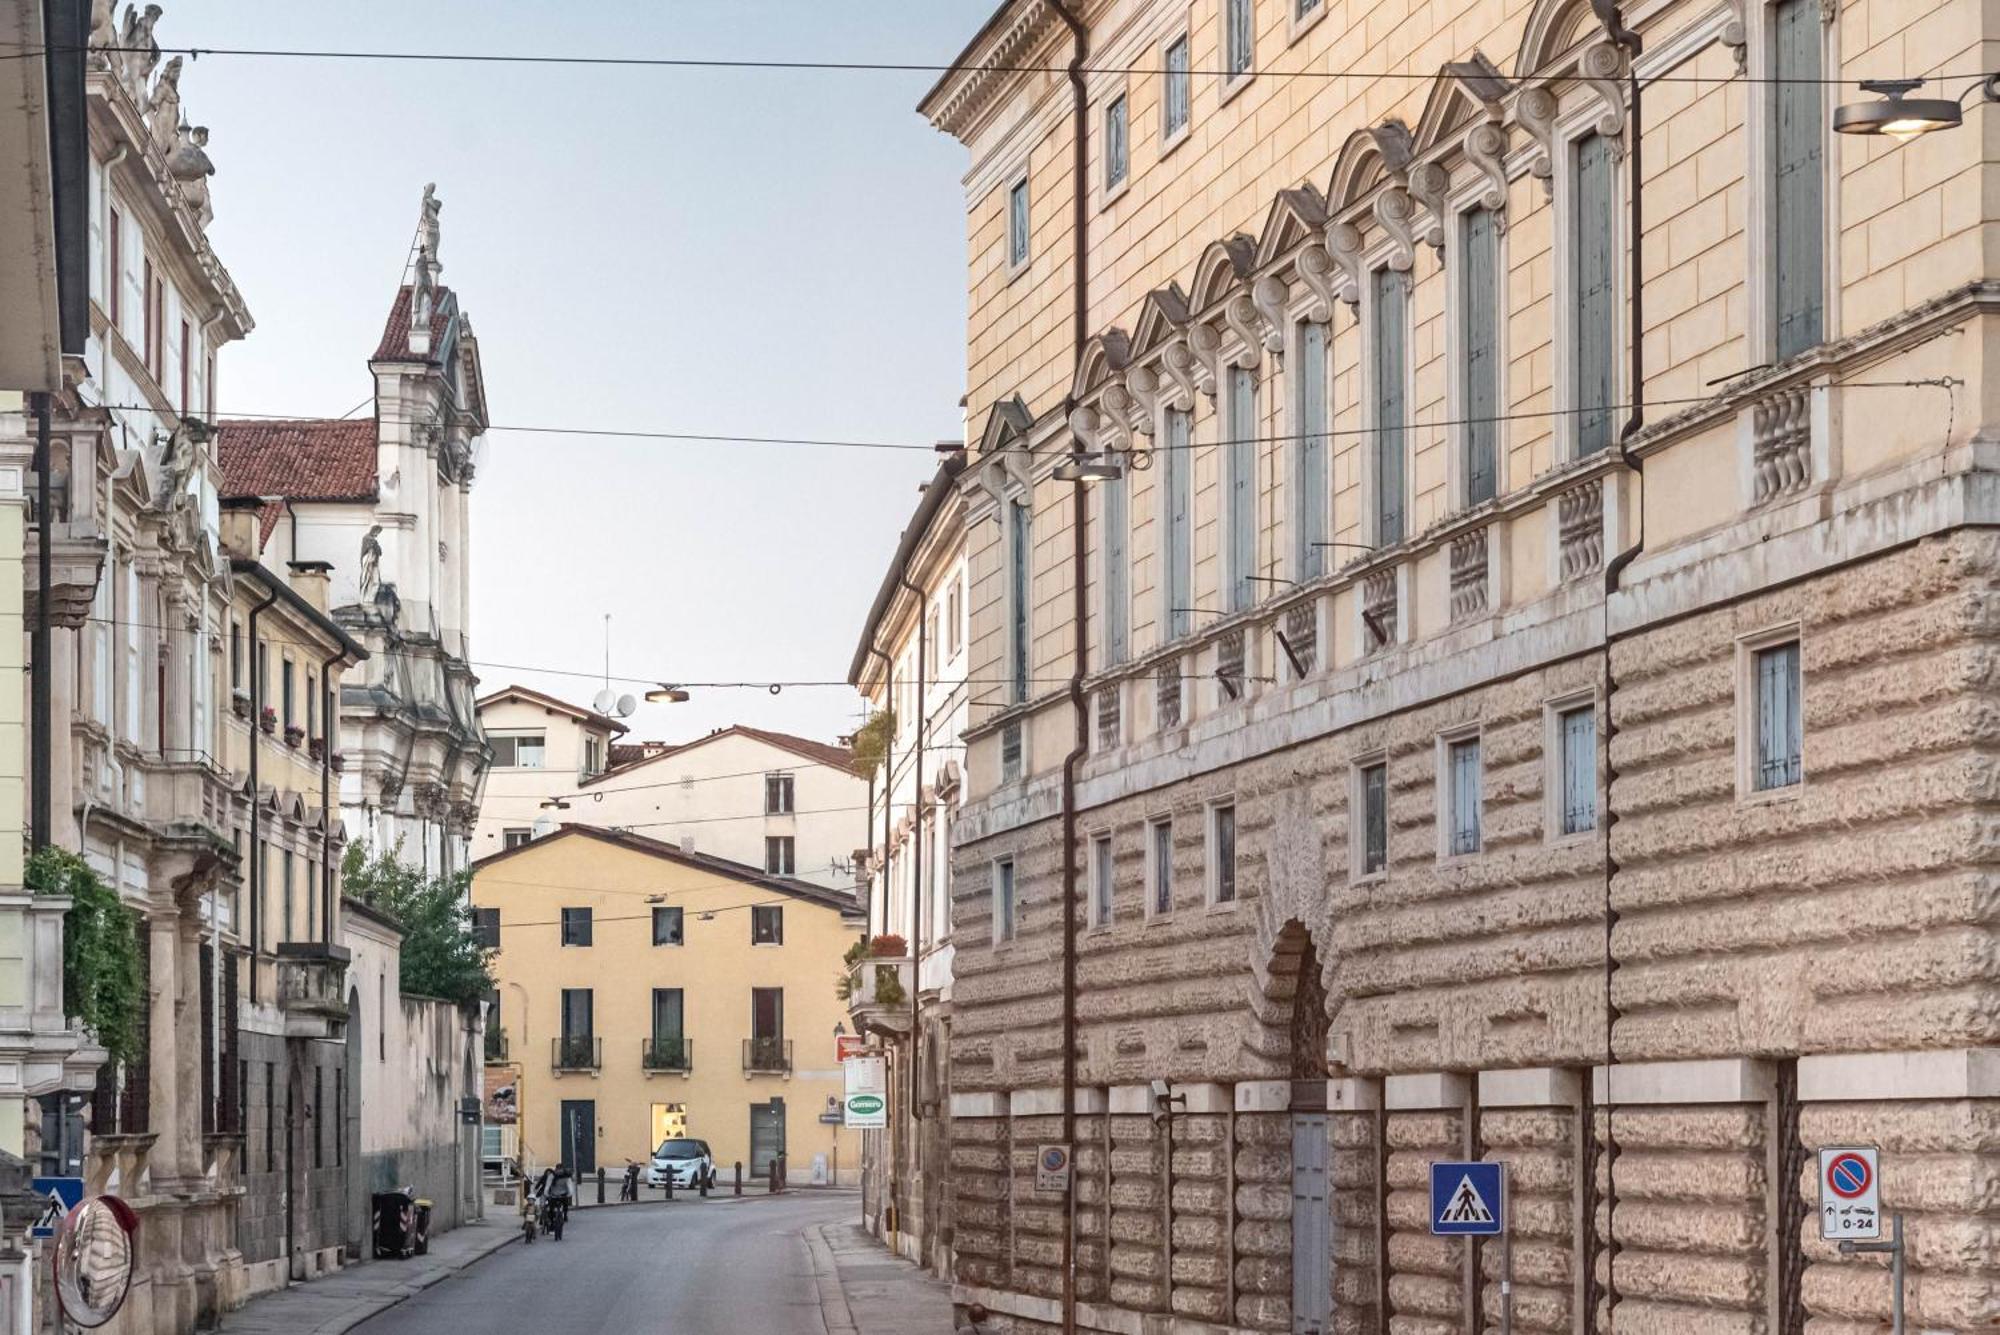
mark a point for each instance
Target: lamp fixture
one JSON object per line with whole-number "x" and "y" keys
{"x": 1902, "y": 117}
{"x": 1080, "y": 467}
{"x": 665, "y": 694}
{"x": 554, "y": 804}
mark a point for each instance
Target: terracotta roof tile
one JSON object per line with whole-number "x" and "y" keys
{"x": 395, "y": 344}
{"x": 321, "y": 460}
{"x": 822, "y": 753}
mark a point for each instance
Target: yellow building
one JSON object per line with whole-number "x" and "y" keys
{"x": 646, "y": 992}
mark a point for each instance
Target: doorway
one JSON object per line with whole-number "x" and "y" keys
{"x": 767, "y": 1135}
{"x": 1312, "y": 1213}
{"x": 579, "y": 1137}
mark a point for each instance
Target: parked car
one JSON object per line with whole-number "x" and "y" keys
{"x": 688, "y": 1161}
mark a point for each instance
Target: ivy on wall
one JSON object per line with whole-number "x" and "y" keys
{"x": 104, "y": 988}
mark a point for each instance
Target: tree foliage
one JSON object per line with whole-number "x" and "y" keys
{"x": 871, "y": 741}
{"x": 442, "y": 956}
{"x": 104, "y": 983}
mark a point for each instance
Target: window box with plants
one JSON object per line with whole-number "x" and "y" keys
{"x": 316, "y": 748}
{"x": 876, "y": 986}
{"x": 294, "y": 734}
{"x": 239, "y": 702}
{"x": 269, "y": 719}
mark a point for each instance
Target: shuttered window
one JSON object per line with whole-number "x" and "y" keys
{"x": 1374, "y": 819}
{"x": 1241, "y": 36}
{"x": 1479, "y": 326}
{"x": 1309, "y": 490}
{"x": 1798, "y": 149}
{"x": 1017, "y": 224}
{"x": 1018, "y": 537}
{"x": 1174, "y": 96}
{"x": 1101, "y": 880}
{"x": 1462, "y": 777}
{"x": 1117, "y": 568}
{"x": 1239, "y": 481}
{"x": 1163, "y": 867}
{"x": 1390, "y": 319}
{"x": 1596, "y": 292}
{"x": 1222, "y": 853}
{"x": 1003, "y": 902}
{"x": 1576, "y": 731}
{"x": 1117, "y": 157}
{"x": 1177, "y": 500}
{"x": 1780, "y": 735}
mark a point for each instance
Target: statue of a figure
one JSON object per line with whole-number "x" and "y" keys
{"x": 190, "y": 165}
{"x": 103, "y": 31}
{"x": 371, "y": 558}
{"x": 181, "y": 455}
{"x": 140, "y": 51}
{"x": 163, "y": 107}
{"x": 427, "y": 224}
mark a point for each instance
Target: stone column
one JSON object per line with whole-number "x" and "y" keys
{"x": 179, "y": 645}
{"x": 163, "y": 926}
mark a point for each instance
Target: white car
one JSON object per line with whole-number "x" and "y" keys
{"x": 687, "y": 1161}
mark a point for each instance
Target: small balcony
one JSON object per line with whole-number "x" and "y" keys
{"x": 674, "y": 1055}
{"x": 767, "y": 1056}
{"x": 312, "y": 989}
{"x": 496, "y": 1047}
{"x": 576, "y": 1052}
{"x": 878, "y": 994}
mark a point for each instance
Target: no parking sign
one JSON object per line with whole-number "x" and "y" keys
{"x": 1850, "y": 1193}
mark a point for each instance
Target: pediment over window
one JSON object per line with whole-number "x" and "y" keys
{"x": 1357, "y": 171}
{"x": 1296, "y": 217}
{"x": 1558, "y": 29}
{"x": 1224, "y": 265}
{"x": 1104, "y": 356}
{"x": 1466, "y": 91}
{"x": 1161, "y": 316}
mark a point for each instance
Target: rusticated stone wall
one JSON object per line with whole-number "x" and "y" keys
{"x": 1264, "y": 1221}
{"x": 983, "y": 1246}
{"x": 1355, "y": 1190}
{"x": 1539, "y": 1147}
{"x": 1200, "y": 1195}
{"x": 1427, "y": 1274}
{"x": 1138, "y": 1215}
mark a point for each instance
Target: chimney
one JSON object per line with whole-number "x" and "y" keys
{"x": 687, "y": 843}
{"x": 239, "y": 533}
{"x": 310, "y": 580}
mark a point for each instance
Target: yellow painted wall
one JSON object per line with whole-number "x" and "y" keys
{"x": 716, "y": 969}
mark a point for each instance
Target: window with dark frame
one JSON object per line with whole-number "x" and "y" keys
{"x": 516, "y": 837}
{"x": 1101, "y": 882}
{"x": 486, "y": 927}
{"x": 1479, "y": 325}
{"x": 1017, "y": 224}
{"x": 1593, "y": 342}
{"x": 667, "y": 925}
{"x": 1798, "y": 160}
{"x": 270, "y": 1117}
{"x": 1175, "y": 89}
{"x": 115, "y": 252}
{"x": 1003, "y": 901}
{"x": 1222, "y": 851}
{"x": 778, "y": 794}
{"x": 1462, "y": 774}
{"x": 576, "y": 925}
{"x": 1374, "y": 819}
{"x": 1117, "y": 153}
{"x": 780, "y": 855}
{"x": 1162, "y": 869}
{"x": 767, "y": 924}
{"x": 1240, "y": 40}
{"x": 1780, "y": 733}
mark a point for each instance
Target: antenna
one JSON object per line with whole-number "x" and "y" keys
{"x": 626, "y": 706}
{"x": 603, "y": 701}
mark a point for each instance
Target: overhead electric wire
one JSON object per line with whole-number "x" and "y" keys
{"x": 194, "y": 52}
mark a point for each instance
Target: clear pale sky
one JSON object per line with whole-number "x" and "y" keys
{"x": 751, "y": 252}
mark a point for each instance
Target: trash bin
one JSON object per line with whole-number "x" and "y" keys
{"x": 395, "y": 1222}
{"x": 422, "y": 1212}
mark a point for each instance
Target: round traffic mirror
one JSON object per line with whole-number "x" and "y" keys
{"x": 93, "y": 1260}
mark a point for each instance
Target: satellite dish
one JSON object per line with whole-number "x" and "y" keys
{"x": 626, "y": 704}
{"x": 603, "y": 701}
{"x": 542, "y": 826}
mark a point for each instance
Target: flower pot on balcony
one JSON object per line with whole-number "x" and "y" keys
{"x": 269, "y": 721}
{"x": 239, "y": 701}
{"x": 294, "y": 735}
{"x": 338, "y": 762}
{"x": 316, "y": 748}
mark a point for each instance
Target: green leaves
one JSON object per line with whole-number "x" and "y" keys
{"x": 104, "y": 982}
{"x": 442, "y": 956}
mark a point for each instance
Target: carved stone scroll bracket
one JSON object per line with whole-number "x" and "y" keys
{"x": 1119, "y": 407}
{"x": 1736, "y": 34}
{"x": 1601, "y": 66}
{"x": 1397, "y": 214}
{"x": 1204, "y": 344}
{"x": 1241, "y": 315}
{"x": 1428, "y": 184}
{"x": 1536, "y": 110}
{"x": 1178, "y": 359}
{"x": 1269, "y": 295}
{"x": 1144, "y": 384}
{"x": 1486, "y": 149}
{"x": 1083, "y": 424}
{"x": 1343, "y": 245}
{"x": 1316, "y": 271}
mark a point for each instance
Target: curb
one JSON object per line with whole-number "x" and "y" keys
{"x": 347, "y": 1321}
{"x": 833, "y": 1309}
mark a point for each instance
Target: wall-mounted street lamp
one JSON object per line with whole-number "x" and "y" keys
{"x": 1902, "y": 117}
{"x": 664, "y": 694}
{"x": 1089, "y": 468}
{"x": 554, "y": 804}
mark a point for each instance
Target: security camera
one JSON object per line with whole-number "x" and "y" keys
{"x": 1161, "y": 1089}
{"x": 1164, "y": 1099}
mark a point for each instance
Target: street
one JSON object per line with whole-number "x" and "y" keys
{"x": 716, "y": 1269}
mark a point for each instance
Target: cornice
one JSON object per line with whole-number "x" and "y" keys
{"x": 974, "y": 84}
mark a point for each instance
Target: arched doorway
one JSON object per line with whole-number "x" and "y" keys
{"x": 1312, "y": 1213}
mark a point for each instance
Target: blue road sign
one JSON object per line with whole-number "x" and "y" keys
{"x": 59, "y": 1195}
{"x": 1468, "y": 1200}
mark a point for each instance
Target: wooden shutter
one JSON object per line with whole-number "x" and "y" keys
{"x": 1178, "y": 502}
{"x": 1017, "y": 598}
{"x": 1478, "y": 306}
{"x": 1117, "y": 595}
{"x": 1465, "y": 796}
{"x": 1309, "y": 498}
{"x": 1798, "y": 156}
{"x": 1389, "y": 405}
{"x": 1779, "y": 729}
{"x": 1579, "y": 771}
{"x": 1375, "y": 817}
{"x": 1239, "y": 455}
{"x": 1596, "y": 293}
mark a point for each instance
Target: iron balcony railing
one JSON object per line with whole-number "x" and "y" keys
{"x": 767, "y": 1055}
{"x": 582, "y": 1052}
{"x": 667, "y": 1054}
{"x": 496, "y": 1046}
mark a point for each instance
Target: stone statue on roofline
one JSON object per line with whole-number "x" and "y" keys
{"x": 427, "y": 223}
{"x": 163, "y": 107}
{"x": 190, "y": 165}
{"x": 103, "y": 31}
{"x": 140, "y": 52}
{"x": 371, "y": 558}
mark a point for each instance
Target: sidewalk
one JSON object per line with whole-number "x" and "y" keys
{"x": 339, "y": 1302}
{"x": 864, "y": 1290}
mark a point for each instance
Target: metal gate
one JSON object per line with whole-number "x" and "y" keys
{"x": 767, "y": 1135}
{"x": 1312, "y": 1227}
{"x": 579, "y": 1136}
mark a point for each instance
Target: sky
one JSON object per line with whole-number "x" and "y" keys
{"x": 747, "y": 252}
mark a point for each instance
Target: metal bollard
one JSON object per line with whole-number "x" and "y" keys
{"x": 772, "y": 1186}
{"x": 739, "y": 1177}
{"x": 669, "y": 1179}
{"x": 600, "y": 1184}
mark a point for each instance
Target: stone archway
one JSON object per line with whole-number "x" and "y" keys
{"x": 1309, "y": 1187}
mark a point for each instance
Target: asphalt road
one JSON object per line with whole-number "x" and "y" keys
{"x": 718, "y": 1268}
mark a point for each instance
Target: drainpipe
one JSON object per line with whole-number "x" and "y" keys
{"x": 41, "y": 809}
{"x": 256, "y": 802}
{"x": 889, "y": 1210}
{"x": 1628, "y": 41}
{"x": 326, "y": 895}
{"x": 1080, "y": 300}
{"x": 916, "y": 859}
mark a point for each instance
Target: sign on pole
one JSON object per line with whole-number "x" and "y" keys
{"x": 848, "y": 1045}
{"x": 59, "y": 1195}
{"x": 1468, "y": 1200}
{"x": 1052, "y": 1169}
{"x": 867, "y": 1101}
{"x": 1850, "y": 1193}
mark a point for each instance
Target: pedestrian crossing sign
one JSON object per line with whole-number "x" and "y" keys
{"x": 58, "y": 1196}
{"x": 1468, "y": 1200}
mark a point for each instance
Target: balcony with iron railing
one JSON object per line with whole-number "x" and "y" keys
{"x": 674, "y": 1055}
{"x": 878, "y": 994}
{"x": 576, "y": 1052}
{"x": 767, "y": 1056}
{"x": 496, "y": 1047}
